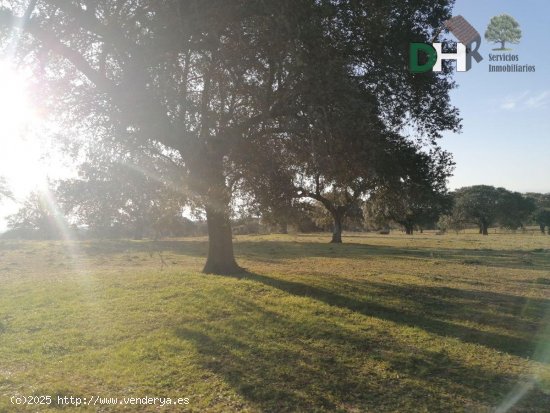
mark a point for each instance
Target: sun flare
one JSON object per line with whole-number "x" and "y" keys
{"x": 20, "y": 151}
{"x": 15, "y": 109}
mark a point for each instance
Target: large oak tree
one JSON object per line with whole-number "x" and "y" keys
{"x": 348, "y": 141}
{"x": 206, "y": 82}
{"x": 191, "y": 78}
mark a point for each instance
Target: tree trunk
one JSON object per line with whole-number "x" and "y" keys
{"x": 337, "y": 231}
{"x": 283, "y": 228}
{"x": 408, "y": 226}
{"x": 502, "y": 46}
{"x": 484, "y": 229}
{"x": 221, "y": 259}
{"x": 542, "y": 228}
{"x": 217, "y": 197}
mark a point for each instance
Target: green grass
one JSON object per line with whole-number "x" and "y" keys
{"x": 382, "y": 323}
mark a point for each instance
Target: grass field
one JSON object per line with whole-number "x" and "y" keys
{"x": 380, "y": 324}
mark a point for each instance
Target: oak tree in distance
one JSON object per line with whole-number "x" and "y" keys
{"x": 502, "y": 29}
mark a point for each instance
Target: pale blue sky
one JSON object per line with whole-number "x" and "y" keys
{"x": 506, "y": 116}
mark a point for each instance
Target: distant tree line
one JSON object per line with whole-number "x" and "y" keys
{"x": 133, "y": 205}
{"x": 486, "y": 206}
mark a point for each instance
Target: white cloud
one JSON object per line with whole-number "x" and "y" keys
{"x": 508, "y": 104}
{"x": 526, "y": 100}
{"x": 539, "y": 101}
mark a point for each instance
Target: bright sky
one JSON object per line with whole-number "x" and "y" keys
{"x": 27, "y": 160}
{"x": 506, "y": 116}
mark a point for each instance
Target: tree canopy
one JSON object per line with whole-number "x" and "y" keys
{"x": 503, "y": 29}
{"x": 542, "y": 218}
{"x": 420, "y": 196}
{"x": 515, "y": 209}
{"x": 347, "y": 141}
{"x": 478, "y": 204}
{"x": 486, "y": 205}
{"x": 124, "y": 193}
{"x": 205, "y": 84}
{"x": 38, "y": 217}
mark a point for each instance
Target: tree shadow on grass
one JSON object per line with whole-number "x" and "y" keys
{"x": 432, "y": 313}
{"x": 275, "y": 251}
{"x": 510, "y": 312}
{"x": 469, "y": 315}
{"x": 293, "y": 362}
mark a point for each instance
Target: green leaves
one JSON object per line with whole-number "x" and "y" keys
{"x": 502, "y": 29}
{"x": 485, "y": 205}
